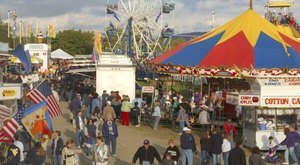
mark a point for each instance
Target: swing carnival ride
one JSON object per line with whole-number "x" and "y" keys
{"x": 139, "y": 28}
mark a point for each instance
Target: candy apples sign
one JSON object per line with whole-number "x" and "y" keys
{"x": 249, "y": 100}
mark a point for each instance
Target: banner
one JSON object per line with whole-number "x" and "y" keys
{"x": 37, "y": 121}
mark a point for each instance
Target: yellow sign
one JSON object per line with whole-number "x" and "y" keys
{"x": 8, "y": 92}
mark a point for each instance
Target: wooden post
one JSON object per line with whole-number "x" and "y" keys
{"x": 251, "y": 4}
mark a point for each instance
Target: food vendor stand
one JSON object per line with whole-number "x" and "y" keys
{"x": 269, "y": 106}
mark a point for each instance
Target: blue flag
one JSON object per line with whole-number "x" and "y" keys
{"x": 116, "y": 16}
{"x": 157, "y": 18}
{"x": 24, "y": 57}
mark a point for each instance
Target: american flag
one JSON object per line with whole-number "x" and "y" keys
{"x": 8, "y": 130}
{"x": 19, "y": 115}
{"x": 4, "y": 112}
{"x": 43, "y": 92}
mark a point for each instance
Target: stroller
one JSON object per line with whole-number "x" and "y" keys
{"x": 271, "y": 156}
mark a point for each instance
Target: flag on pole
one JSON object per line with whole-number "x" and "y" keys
{"x": 43, "y": 93}
{"x": 28, "y": 30}
{"x": 23, "y": 57}
{"x": 36, "y": 122}
{"x": 8, "y": 130}
{"x": 97, "y": 50}
{"x": 116, "y": 17}
{"x": 18, "y": 116}
{"x": 51, "y": 31}
{"x": 21, "y": 31}
{"x": 4, "y": 112}
{"x": 37, "y": 30}
{"x": 158, "y": 16}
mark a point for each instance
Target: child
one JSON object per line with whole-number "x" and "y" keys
{"x": 226, "y": 147}
{"x": 271, "y": 156}
{"x": 168, "y": 160}
{"x": 135, "y": 111}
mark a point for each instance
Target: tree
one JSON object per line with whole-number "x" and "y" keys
{"x": 74, "y": 41}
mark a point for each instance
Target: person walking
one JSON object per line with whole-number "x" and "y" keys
{"x": 100, "y": 152}
{"x": 68, "y": 155}
{"x": 187, "y": 109}
{"x": 237, "y": 155}
{"x": 108, "y": 111}
{"x": 230, "y": 129}
{"x": 75, "y": 105}
{"x": 180, "y": 119}
{"x": 255, "y": 158}
{"x": 79, "y": 122}
{"x": 173, "y": 151}
{"x": 297, "y": 140}
{"x": 125, "y": 109}
{"x": 146, "y": 154}
{"x": 188, "y": 146}
{"x": 20, "y": 145}
{"x": 90, "y": 133}
{"x": 226, "y": 147}
{"x": 216, "y": 144}
{"x": 204, "y": 119}
{"x": 206, "y": 149}
{"x": 156, "y": 115}
{"x": 110, "y": 134}
{"x": 56, "y": 146}
{"x": 289, "y": 142}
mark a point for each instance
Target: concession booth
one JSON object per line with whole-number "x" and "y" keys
{"x": 268, "y": 107}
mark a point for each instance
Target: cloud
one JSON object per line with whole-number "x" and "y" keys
{"x": 190, "y": 15}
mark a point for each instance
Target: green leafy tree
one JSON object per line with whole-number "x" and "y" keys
{"x": 74, "y": 41}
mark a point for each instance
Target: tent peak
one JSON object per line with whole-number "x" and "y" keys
{"x": 251, "y": 5}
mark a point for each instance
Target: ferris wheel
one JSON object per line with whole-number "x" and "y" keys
{"x": 139, "y": 28}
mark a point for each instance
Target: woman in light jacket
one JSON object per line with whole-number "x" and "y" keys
{"x": 100, "y": 152}
{"x": 156, "y": 115}
{"x": 204, "y": 119}
{"x": 68, "y": 155}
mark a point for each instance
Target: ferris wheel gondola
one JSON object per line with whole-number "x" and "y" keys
{"x": 137, "y": 27}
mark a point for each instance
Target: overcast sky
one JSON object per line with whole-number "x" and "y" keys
{"x": 190, "y": 15}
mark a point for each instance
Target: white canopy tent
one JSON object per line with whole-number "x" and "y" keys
{"x": 60, "y": 54}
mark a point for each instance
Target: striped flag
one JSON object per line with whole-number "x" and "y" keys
{"x": 97, "y": 50}
{"x": 4, "y": 112}
{"x": 8, "y": 130}
{"x": 43, "y": 93}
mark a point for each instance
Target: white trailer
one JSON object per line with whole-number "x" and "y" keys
{"x": 115, "y": 73}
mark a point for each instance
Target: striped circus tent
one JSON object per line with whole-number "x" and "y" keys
{"x": 247, "y": 43}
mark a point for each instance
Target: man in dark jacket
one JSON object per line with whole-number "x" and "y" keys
{"x": 216, "y": 143}
{"x": 56, "y": 146}
{"x": 79, "y": 123}
{"x": 237, "y": 155}
{"x": 188, "y": 146}
{"x": 146, "y": 154}
{"x": 110, "y": 134}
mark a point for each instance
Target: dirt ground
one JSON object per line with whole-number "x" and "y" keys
{"x": 130, "y": 138}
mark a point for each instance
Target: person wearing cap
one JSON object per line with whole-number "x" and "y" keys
{"x": 188, "y": 146}
{"x": 146, "y": 154}
{"x": 136, "y": 112}
{"x": 109, "y": 111}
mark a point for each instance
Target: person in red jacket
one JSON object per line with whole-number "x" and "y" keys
{"x": 230, "y": 130}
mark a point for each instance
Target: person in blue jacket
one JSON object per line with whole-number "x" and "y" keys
{"x": 110, "y": 134}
